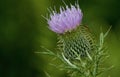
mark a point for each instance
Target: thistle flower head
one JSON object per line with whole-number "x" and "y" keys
{"x": 68, "y": 19}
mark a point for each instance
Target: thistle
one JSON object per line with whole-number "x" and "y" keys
{"x": 80, "y": 54}
{"x": 74, "y": 38}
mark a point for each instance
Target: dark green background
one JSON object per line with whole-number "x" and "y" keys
{"x": 23, "y": 30}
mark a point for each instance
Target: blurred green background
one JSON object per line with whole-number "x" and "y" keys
{"x": 23, "y": 30}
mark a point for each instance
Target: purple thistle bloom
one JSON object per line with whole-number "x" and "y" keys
{"x": 68, "y": 19}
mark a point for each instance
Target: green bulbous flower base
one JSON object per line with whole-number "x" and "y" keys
{"x": 77, "y": 43}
